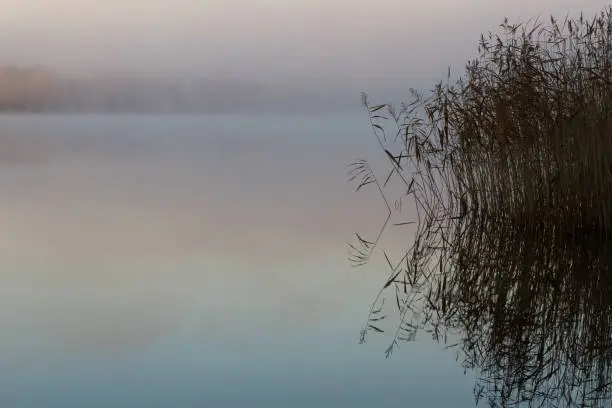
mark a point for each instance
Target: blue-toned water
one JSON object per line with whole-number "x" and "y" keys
{"x": 195, "y": 261}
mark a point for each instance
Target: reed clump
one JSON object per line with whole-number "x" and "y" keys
{"x": 509, "y": 171}
{"x": 533, "y": 126}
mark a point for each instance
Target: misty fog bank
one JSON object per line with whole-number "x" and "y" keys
{"x": 38, "y": 90}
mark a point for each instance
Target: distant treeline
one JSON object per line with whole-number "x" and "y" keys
{"x": 41, "y": 90}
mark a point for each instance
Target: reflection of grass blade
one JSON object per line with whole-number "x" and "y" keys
{"x": 376, "y": 329}
{"x": 358, "y": 256}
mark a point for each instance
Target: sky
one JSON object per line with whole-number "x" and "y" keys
{"x": 351, "y": 40}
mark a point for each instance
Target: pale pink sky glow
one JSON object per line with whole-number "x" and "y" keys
{"x": 271, "y": 38}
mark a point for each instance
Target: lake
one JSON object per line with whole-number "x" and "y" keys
{"x": 196, "y": 261}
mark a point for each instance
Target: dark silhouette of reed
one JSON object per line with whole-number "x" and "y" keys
{"x": 510, "y": 174}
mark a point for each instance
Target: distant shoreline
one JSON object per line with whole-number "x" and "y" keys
{"x": 36, "y": 90}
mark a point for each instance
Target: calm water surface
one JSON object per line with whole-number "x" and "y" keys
{"x": 195, "y": 261}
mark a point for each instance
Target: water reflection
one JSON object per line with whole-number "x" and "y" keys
{"x": 141, "y": 269}
{"x": 529, "y": 305}
{"x": 533, "y": 307}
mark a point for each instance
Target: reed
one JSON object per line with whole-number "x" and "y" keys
{"x": 510, "y": 174}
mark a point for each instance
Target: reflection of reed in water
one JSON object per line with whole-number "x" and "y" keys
{"x": 510, "y": 177}
{"x": 533, "y": 309}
